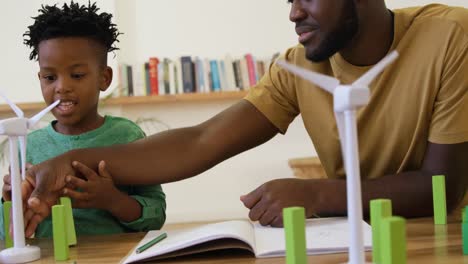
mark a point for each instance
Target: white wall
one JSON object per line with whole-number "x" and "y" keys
{"x": 206, "y": 28}
{"x": 171, "y": 28}
{"x": 18, "y": 75}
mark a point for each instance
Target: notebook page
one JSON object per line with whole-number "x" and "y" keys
{"x": 323, "y": 235}
{"x": 179, "y": 239}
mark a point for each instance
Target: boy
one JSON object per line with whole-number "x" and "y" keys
{"x": 71, "y": 45}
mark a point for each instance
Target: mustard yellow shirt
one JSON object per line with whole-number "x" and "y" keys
{"x": 419, "y": 98}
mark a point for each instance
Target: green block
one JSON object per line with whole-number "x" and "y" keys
{"x": 294, "y": 229}
{"x": 379, "y": 209}
{"x": 393, "y": 240}
{"x": 465, "y": 238}
{"x": 6, "y": 224}
{"x": 69, "y": 221}
{"x": 61, "y": 249}
{"x": 439, "y": 200}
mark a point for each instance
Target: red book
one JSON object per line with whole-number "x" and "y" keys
{"x": 251, "y": 69}
{"x": 153, "y": 75}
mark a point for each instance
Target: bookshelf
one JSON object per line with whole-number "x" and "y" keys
{"x": 140, "y": 100}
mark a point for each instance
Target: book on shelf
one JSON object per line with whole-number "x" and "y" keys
{"x": 323, "y": 236}
{"x": 191, "y": 74}
{"x": 153, "y": 75}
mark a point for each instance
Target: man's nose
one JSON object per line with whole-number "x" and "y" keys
{"x": 297, "y": 13}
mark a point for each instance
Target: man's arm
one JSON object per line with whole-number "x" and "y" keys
{"x": 182, "y": 153}
{"x": 165, "y": 157}
{"x": 410, "y": 192}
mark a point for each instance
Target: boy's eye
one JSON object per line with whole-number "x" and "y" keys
{"x": 77, "y": 75}
{"x": 49, "y": 77}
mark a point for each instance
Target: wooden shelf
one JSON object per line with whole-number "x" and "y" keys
{"x": 138, "y": 100}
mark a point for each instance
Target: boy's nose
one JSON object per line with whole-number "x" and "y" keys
{"x": 62, "y": 86}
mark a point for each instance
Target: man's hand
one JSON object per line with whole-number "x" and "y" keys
{"x": 266, "y": 203}
{"x": 95, "y": 191}
{"x": 47, "y": 180}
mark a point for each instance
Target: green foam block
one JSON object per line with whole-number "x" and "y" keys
{"x": 464, "y": 214}
{"x": 61, "y": 250}
{"x": 439, "y": 200}
{"x": 294, "y": 228}
{"x": 6, "y": 224}
{"x": 69, "y": 221}
{"x": 465, "y": 238}
{"x": 379, "y": 209}
{"x": 393, "y": 240}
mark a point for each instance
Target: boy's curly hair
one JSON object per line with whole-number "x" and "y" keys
{"x": 72, "y": 20}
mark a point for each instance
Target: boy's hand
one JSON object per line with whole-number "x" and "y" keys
{"x": 97, "y": 191}
{"x": 6, "y": 190}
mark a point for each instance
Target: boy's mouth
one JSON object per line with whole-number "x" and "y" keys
{"x": 66, "y": 107}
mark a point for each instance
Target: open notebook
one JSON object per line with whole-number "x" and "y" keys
{"x": 324, "y": 236}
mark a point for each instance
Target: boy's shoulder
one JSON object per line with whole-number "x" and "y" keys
{"x": 38, "y": 132}
{"x": 121, "y": 121}
{"x": 123, "y": 124}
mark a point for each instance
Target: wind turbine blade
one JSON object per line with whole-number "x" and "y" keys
{"x": 370, "y": 75}
{"x": 340, "y": 123}
{"x": 22, "y": 143}
{"x": 33, "y": 120}
{"x": 323, "y": 81}
{"x": 13, "y": 106}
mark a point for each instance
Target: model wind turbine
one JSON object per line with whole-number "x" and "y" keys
{"x": 346, "y": 100}
{"x": 16, "y": 128}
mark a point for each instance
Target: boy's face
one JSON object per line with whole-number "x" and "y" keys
{"x": 324, "y": 26}
{"x": 72, "y": 70}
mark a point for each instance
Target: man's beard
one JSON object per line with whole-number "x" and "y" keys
{"x": 339, "y": 38}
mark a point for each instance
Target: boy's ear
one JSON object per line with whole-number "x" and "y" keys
{"x": 106, "y": 78}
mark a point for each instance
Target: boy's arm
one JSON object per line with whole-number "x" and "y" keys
{"x": 410, "y": 192}
{"x": 152, "y": 202}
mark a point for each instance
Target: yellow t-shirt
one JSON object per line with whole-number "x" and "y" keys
{"x": 421, "y": 97}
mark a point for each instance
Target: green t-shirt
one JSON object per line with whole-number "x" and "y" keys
{"x": 46, "y": 143}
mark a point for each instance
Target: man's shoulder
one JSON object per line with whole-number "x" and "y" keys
{"x": 297, "y": 55}
{"x": 451, "y": 15}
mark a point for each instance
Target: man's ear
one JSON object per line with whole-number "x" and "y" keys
{"x": 39, "y": 75}
{"x": 107, "y": 75}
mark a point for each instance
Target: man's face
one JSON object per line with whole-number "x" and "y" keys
{"x": 324, "y": 26}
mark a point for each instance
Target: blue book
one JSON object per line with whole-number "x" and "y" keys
{"x": 215, "y": 76}
{"x": 200, "y": 71}
{"x": 188, "y": 77}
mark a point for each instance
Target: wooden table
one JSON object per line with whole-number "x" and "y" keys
{"x": 426, "y": 244}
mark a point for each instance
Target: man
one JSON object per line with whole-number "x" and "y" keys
{"x": 413, "y": 127}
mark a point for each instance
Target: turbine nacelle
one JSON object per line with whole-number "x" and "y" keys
{"x": 16, "y": 126}
{"x": 349, "y": 97}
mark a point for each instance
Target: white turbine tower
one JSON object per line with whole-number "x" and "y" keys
{"x": 346, "y": 100}
{"x": 16, "y": 128}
